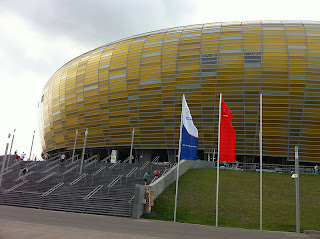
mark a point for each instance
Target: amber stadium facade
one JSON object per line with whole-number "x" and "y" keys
{"x": 138, "y": 82}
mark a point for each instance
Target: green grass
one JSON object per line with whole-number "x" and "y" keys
{"x": 239, "y": 203}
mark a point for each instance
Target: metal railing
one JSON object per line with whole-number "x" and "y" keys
{"x": 53, "y": 162}
{"x": 98, "y": 171}
{"x": 69, "y": 171}
{"x": 72, "y": 163}
{"x": 105, "y": 159}
{"x": 54, "y": 157}
{"x": 49, "y": 169}
{"x": 16, "y": 186}
{"x": 130, "y": 203}
{"x": 143, "y": 166}
{"x": 9, "y": 171}
{"x": 155, "y": 179}
{"x": 92, "y": 162}
{"x": 113, "y": 166}
{"x": 45, "y": 178}
{"x": 52, "y": 189}
{"x": 134, "y": 170}
{"x": 79, "y": 179}
{"x": 91, "y": 158}
{"x": 126, "y": 160}
{"x": 280, "y": 168}
{"x": 155, "y": 160}
{"x": 94, "y": 191}
{"x": 114, "y": 181}
{"x": 13, "y": 165}
{"x": 23, "y": 176}
{"x": 74, "y": 157}
{"x": 165, "y": 171}
{"x": 31, "y": 163}
{"x": 32, "y": 166}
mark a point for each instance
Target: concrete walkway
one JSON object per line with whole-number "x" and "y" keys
{"x": 28, "y": 223}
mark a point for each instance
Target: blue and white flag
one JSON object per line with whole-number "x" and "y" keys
{"x": 189, "y": 134}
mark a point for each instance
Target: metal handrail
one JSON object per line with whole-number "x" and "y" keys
{"x": 143, "y": 166}
{"x": 23, "y": 176}
{"x": 34, "y": 165}
{"x": 15, "y": 164}
{"x": 88, "y": 160}
{"x": 114, "y": 181}
{"x": 16, "y": 186}
{"x": 93, "y": 192}
{"x": 105, "y": 159}
{"x": 70, "y": 159}
{"x": 9, "y": 171}
{"x": 156, "y": 159}
{"x": 46, "y": 177}
{"x": 30, "y": 163}
{"x": 49, "y": 169}
{"x": 130, "y": 202}
{"x": 98, "y": 171}
{"x": 155, "y": 178}
{"x": 52, "y": 189}
{"x": 54, "y": 157}
{"x": 72, "y": 163}
{"x": 92, "y": 162}
{"x": 78, "y": 179}
{"x": 115, "y": 164}
{"x": 127, "y": 160}
{"x": 165, "y": 171}
{"x": 131, "y": 199}
{"x": 53, "y": 162}
{"x": 70, "y": 169}
{"x": 129, "y": 174}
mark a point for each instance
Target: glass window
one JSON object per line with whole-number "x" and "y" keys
{"x": 150, "y": 82}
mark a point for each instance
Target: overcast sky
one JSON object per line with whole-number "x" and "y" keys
{"x": 39, "y": 36}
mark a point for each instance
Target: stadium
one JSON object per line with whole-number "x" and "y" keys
{"x": 138, "y": 83}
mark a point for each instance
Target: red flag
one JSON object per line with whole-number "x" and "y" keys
{"x": 227, "y": 135}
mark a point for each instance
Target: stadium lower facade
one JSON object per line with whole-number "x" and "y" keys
{"x": 138, "y": 82}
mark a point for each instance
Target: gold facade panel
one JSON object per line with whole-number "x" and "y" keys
{"x": 138, "y": 82}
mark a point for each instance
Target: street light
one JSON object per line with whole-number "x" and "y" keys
{"x": 8, "y": 161}
{"x": 74, "y": 147}
{"x": 3, "y": 161}
{"x": 31, "y": 145}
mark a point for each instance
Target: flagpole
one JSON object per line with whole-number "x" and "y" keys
{"x": 218, "y": 158}
{"x": 177, "y": 181}
{"x": 260, "y": 139}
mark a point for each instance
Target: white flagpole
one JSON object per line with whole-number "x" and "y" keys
{"x": 260, "y": 162}
{"x": 177, "y": 181}
{"x": 218, "y": 158}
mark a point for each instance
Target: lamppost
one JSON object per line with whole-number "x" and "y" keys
{"x": 83, "y": 150}
{"x": 31, "y": 146}
{"x": 8, "y": 161}
{"x": 3, "y": 161}
{"x": 130, "y": 160}
{"x": 74, "y": 147}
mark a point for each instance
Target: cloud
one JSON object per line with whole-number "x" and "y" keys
{"x": 99, "y": 22}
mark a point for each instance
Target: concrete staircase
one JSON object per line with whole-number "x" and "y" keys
{"x": 55, "y": 186}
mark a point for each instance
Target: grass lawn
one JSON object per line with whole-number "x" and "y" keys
{"x": 239, "y": 203}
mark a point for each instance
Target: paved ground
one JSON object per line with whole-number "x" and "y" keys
{"x": 23, "y": 223}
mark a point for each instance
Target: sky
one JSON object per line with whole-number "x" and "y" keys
{"x": 37, "y": 37}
